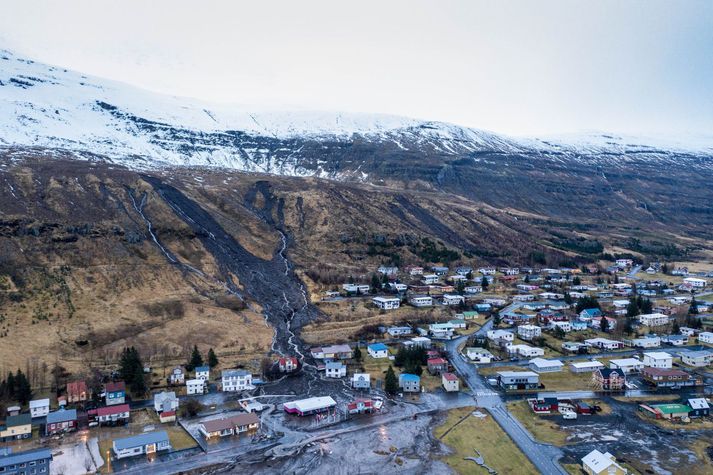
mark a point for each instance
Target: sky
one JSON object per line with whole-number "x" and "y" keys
{"x": 515, "y": 67}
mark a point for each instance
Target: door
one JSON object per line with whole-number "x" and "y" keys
{"x": 150, "y": 448}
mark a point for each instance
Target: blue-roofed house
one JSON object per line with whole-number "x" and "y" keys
{"x": 587, "y": 314}
{"x": 147, "y": 443}
{"x": 64, "y": 420}
{"x": 579, "y": 326}
{"x": 25, "y": 463}
{"x": 483, "y": 307}
{"x": 410, "y": 383}
{"x": 203, "y": 372}
{"x": 378, "y": 350}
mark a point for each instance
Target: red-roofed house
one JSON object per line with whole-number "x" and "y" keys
{"x": 287, "y": 364}
{"x": 437, "y": 365}
{"x": 110, "y": 415}
{"x": 450, "y": 382}
{"x": 360, "y": 406}
{"x": 77, "y": 392}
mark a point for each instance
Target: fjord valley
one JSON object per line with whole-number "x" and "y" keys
{"x": 285, "y": 285}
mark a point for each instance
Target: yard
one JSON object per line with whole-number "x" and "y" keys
{"x": 564, "y": 380}
{"x": 465, "y": 434}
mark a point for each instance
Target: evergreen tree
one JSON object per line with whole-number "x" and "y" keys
{"x": 131, "y": 370}
{"x": 375, "y": 283}
{"x": 526, "y": 279}
{"x": 693, "y": 308}
{"x": 391, "y": 384}
{"x": 576, "y": 281}
{"x": 196, "y": 359}
{"x": 11, "y": 386}
{"x": 357, "y": 354}
{"x": 586, "y": 302}
{"x": 138, "y": 383}
{"x": 384, "y": 279}
{"x": 604, "y": 324}
{"x": 23, "y": 390}
{"x": 675, "y": 328}
{"x": 632, "y": 309}
{"x": 646, "y": 306}
{"x": 212, "y": 358}
{"x": 484, "y": 283}
{"x": 629, "y": 325}
{"x": 568, "y": 298}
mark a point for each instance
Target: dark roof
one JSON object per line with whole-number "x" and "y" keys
{"x": 23, "y": 457}
{"x": 109, "y": 410}
{"x": 217, "y": 425}
{"x": 607, "y": 372}
{"x": 63, "y": 415}
{"x": 115, "y": 386}
{"x": 18, "y": 420}
{"x": 140, "y": 440}
{"x": 76, "y": 387}
{"x": 664, "y": 372}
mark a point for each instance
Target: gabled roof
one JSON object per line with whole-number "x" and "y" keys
{"x": 449, "y": 377}
{"x": 202, "y": 369}
{"x": 409, "y": 377}
{"x": 217, "y": 425}
{"x": 598, "y": 461}
{"x": 115, "y": 386}
{"x": 378, "y": 347}
{"x": 141, "y": 440}
{"x": 698, "y": 403}
{"x": 11, "y": 458}
{"x": 63, "y": 415}
{"x": 109, "y": 410}
{"x": 18, "y": 420}
{"x": 76, "y": 387}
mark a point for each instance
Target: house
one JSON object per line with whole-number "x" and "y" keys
{"x": 483, "y": 307}
{"x": 473, "y": 289}
{"x": 542, "y": 365}
{"x": 586, "y": 366}
{"x": 478, "y": 355}
{"x": 235, "y": 425}
{"x": 236, "y": 380}
{"x": 452, "y": 299}
{"x": 587, "y": 314}
{"x": 675, "y": 340}
{"x": 203, "y": 372}
{"x": 110, "y": 415}
{"x": 627, "y": 365}
{"x": 335, "y": 369}
{"x": 597, "y": 463}
{"x": 624, "y": 263}
{"x": 287, "y": 364}
{"x": 440, "y": 270}
{"x": 421, "y": 300}
{"x": 420, "y": 342}
{"x": 487, "y": 270}
{"x": 361, "y": 381}
{"x": 28, "y": 462}
{"x": 195, "y": 386}
{"x": 388, "y": 270}
{"x": 146, "y": 443}
{"x": 450, "y": 382}
{"x": 517, "y": 380}
{"x": 454, "y": 279}
{"x": 399, "y": 331}
{"x": 500, "y": 334}
{"x": 77, "y": 392}
{"x": 414, "y": 270}
{"x": 564, "y": 326}
{"x": 609, "y": 379}
{"x": 668, "y": 378}
{"x": 596, "y": 322}
{"x": 526, "y": 351}
{"x": 333, "y": 352}
{"x": 441, "y": 330}
{"x": 698, "y": 358}
{"x": 667, "y": 411}
{"x": 688, "y": 331}
{"x": 546, "y": 405}
{"x": 604, "y": 343}
{"x": 115, "y": 393}
{"x": 177, "y": 376}
{"x": 430, "y": 279}
{"x": 307, "y": 407}
{"x": 356, "y": 289}
{"x": 59, "y": 422}
{"x": 458, "y": 324}
{"x": 165, "y": 401}
{"x": 658, "y": 359}
{"x": 653, "y": 319}
{"x": 378, "y": 350}
{"x": 528, "y": 332}
{"x": 437, "y": 365}
{"x": 576, "y": 347}
{"x": 17, "y": 426}
{"x": 386, "y": 303}
{"x": 360, "y": 406}
{"x": 410, "y": 383}
{"x": 39, "y": 407}
{"x": 397, "y": 287}
{"x": 695, "y": 282}
{"x": 705, "y": 337}
{"x": 699, "y": 407}
{"x": 647, "y": 341}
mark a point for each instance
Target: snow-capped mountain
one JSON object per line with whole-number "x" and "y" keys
{"x": 51, "y": 107}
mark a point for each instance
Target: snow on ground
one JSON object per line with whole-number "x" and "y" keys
{"x": 77, "y": 458}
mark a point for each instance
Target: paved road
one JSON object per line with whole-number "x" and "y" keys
{"x": 543, "y": 456}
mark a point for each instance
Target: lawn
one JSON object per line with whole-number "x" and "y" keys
{"x": 543, "y": 428}
{"x": 653, "y": 398}
{"x": 564, "y": 380}
{"x": 464, "y": 433}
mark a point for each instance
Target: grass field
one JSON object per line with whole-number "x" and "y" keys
{"x": 564, "y": 380}
{"x": 464, "y": 434}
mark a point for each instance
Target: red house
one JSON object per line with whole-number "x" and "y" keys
{"x": 360, "y": 406}
{"x": 437, "y": 365}
{"x": 287, "y": 364}
{"x": 77, "y": 392}
{"x": 58, "y": 422}
{"x": 110, "y": 415}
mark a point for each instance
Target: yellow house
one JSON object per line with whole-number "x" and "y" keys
{"x": 16, "y": 427}
{"x": 597, "y": 463}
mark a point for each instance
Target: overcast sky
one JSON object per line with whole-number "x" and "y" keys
{"x": 527, "y": 67}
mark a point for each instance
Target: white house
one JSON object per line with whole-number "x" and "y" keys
{"x": 697, "y": 358}
{"x": 165, "y": 401}
{"x": 195, "y": 386}
{"x": 500, "y": 334}
{"x": 597, "y": 463}
{"x": 415, "y": 270}
{"x": 236, "y": 380}
{"x": 627, "y": 365}
{"x": 441, "y": 330}
{"x": 695, "y": 282}
{"x": 487, "y": 270}
{"x": 386, "y": 303}
{"x": 335, "y": 369}
{"x": 478, "y": 355}
{"x": 473, "y": 289}
{"x": 452, "y": 299}
{"x": 526, "y": 351}
{"x": 586, "y": 366}
{"x": 647, "y": 341}
{"x": 564, "y": 326}
{"x": 705, "y": 337}
{"x": 542, "y": 365}
{"x": 177, "y": 376}
{"x": 39, "y": 407}
{"x": 653, "y": 319}
{"x": 430, "y": 279}
{"x": 378, "y": 350}
{"x": 450, "y": 382}
{"x": 604, "y": 343}
{"x": 361, "y": 381}
{"x": 421, "y": 300}
{"x": 203, "y": 372}
{"x": 420, "y": 342}
{"x": 623, "y": 263}
{"x": 388, "y": 270}
{"x": 658, "y": 359}
{"x": 528, "y": 332}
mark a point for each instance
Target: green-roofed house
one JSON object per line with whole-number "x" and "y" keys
{"x": 469, "y": 315}
{"x": 458, "y": 323}
{"x": 671, "y": 411}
